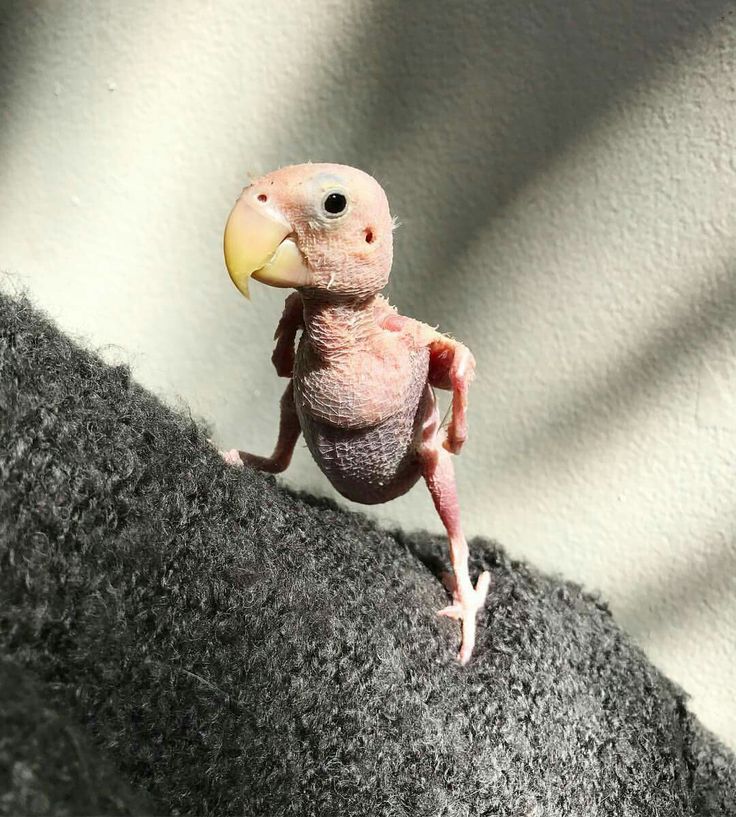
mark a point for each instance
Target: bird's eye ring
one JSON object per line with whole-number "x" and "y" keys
{"x": 334, "y": 204}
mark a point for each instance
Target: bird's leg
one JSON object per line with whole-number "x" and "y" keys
{"x": 292, "y": 320}
{"x": 452, "y": 366}
{"x": 440, "y": 477}
{"x": 289, "y": 431}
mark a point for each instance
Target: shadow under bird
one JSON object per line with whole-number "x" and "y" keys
{"x": 361, "y": 380}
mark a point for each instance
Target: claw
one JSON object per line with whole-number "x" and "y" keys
{"x": 451, "y": 611}
{"x": 232, "y": 457}
{"x": 465, "y": 608}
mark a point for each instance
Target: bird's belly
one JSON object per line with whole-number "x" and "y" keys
{"x": 362, "y": 418}
{"x": 373, "y": 464}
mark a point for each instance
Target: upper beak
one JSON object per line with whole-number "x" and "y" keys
{"x": 256, "y": 244}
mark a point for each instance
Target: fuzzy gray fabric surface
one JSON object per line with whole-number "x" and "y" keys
{"x": 181, "y": 637}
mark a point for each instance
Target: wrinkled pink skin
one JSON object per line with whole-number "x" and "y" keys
{"x": 361, "y": 391}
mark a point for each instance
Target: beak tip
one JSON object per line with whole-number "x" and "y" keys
{"x": 255, "y": 245}
{"x": 242, "y": 286}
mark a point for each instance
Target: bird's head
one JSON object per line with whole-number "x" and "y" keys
{"x": 320, "y": 228}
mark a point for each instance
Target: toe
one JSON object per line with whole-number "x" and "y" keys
{"x": 451, "y": 611}
{"x": 481, "y": 588}
{"x": 232, "y": 457}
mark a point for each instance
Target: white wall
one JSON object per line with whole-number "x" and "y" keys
{"x": 565, "y": 174}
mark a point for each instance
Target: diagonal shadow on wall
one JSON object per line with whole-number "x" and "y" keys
{"x": 458, "y": 108}
{"x": 633, "y": 380}
{"x": 691, "y": 586}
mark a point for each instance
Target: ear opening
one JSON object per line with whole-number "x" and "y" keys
{"x": 370, "y": 235}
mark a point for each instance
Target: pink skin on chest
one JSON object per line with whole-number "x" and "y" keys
{"x": 361, "y": 397}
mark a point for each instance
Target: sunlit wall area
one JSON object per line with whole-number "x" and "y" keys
{"x": 565, "y": 179}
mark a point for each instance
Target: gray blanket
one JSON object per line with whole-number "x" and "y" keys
{"x": 180, "y": 637}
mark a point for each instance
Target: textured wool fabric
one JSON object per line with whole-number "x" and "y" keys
{"x": 183, "y": 637}
{"x": 48, "y": 765}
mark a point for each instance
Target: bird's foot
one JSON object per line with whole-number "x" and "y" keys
{"x": 269, "y": 465}
{"x": 464, "y": 608}
{"x": 232, "y": 457}
{"x": 454, "y": 437}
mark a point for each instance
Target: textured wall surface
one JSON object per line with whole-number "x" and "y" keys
{"x": 565, "y": 178}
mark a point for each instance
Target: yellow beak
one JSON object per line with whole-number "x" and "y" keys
{"x": 256, "y": 244}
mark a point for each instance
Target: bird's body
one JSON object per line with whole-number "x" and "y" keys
{"x": 361, "y": 402}
{"x": 360, "y": 383}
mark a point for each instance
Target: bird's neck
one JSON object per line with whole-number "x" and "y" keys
{"x": 335, "y": 328}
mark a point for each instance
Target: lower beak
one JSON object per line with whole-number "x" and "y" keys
{"x": 256, "y": 244}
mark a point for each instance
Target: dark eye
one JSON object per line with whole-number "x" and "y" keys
{"x": 335, "y": 204}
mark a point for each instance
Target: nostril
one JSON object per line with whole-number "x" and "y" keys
{"x": 262, "y": 197}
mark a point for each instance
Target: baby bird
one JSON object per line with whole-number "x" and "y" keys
{"x": 361, "y": 381}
